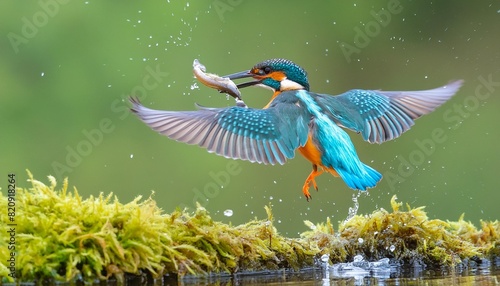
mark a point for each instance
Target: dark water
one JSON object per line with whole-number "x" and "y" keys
{"x": 485, "y": 272}
{"x": 488, "y": 273}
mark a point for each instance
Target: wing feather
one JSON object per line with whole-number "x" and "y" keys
{"x": 268, "y": 136}
{"x": 384, "y": 115}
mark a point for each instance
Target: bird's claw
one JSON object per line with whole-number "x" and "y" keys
{"x": 305, "y": 188}
{"x": 311, "y": 181}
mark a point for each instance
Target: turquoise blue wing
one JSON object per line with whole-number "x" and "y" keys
{"x": 384, "y": 115}
{"x": 266, "y": 136}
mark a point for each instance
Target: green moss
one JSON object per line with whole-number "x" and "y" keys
{"x": 61, "y": 236}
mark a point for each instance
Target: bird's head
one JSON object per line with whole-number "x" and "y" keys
{"x": 276, "y": 74}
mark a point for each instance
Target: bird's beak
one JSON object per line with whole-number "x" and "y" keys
{"x": 243, "y": 74}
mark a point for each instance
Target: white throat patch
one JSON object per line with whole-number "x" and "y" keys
{"x": 287, "y": 84}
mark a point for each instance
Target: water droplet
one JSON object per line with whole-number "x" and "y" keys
{"x": 228, "y": 213}
{"x": 353, "y": 210}
{"x": 392, "y": 248}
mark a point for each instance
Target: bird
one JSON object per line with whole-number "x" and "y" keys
{"x": 296, "y": 119}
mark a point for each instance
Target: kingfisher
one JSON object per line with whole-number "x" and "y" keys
{"x": 297, "y": 119}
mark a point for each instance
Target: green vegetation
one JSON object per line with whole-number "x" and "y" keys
{"x": 61, "y": 236}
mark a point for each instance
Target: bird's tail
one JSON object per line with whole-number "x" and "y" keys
{"x": 366, "y": 178}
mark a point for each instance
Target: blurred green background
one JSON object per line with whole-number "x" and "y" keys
{"x": 67, "y": 68}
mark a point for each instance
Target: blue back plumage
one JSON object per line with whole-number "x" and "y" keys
{"x": 337, "y": 150}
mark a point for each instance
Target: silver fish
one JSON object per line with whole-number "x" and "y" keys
{"x": 222, "y": 84}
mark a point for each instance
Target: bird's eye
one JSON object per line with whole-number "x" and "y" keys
{"x": 267, "y": 70}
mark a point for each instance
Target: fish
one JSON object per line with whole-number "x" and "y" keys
{"x": 222, "y": 84}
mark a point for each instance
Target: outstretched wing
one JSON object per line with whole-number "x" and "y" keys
{"x": 266, "y": 136}
{"x": 384, "y": 115}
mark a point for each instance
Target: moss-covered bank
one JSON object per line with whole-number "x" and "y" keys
{"x": 63, "y": 237}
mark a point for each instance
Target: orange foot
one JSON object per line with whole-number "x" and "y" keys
{"x": 310, "y": 179}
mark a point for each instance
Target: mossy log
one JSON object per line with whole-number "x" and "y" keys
{"x": 61, "y": 236}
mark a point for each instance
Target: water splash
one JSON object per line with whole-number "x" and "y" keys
{"x": 359, "y": 263}
{"x": 354, "y": 209}
{"x": 325, "y": 258}
{"x": 358, "y": 269}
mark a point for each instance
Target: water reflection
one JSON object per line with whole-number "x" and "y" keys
{"x": 358, "y": 269}
{"x": 357, "y": 272}
{"x": 360, "y": 272}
